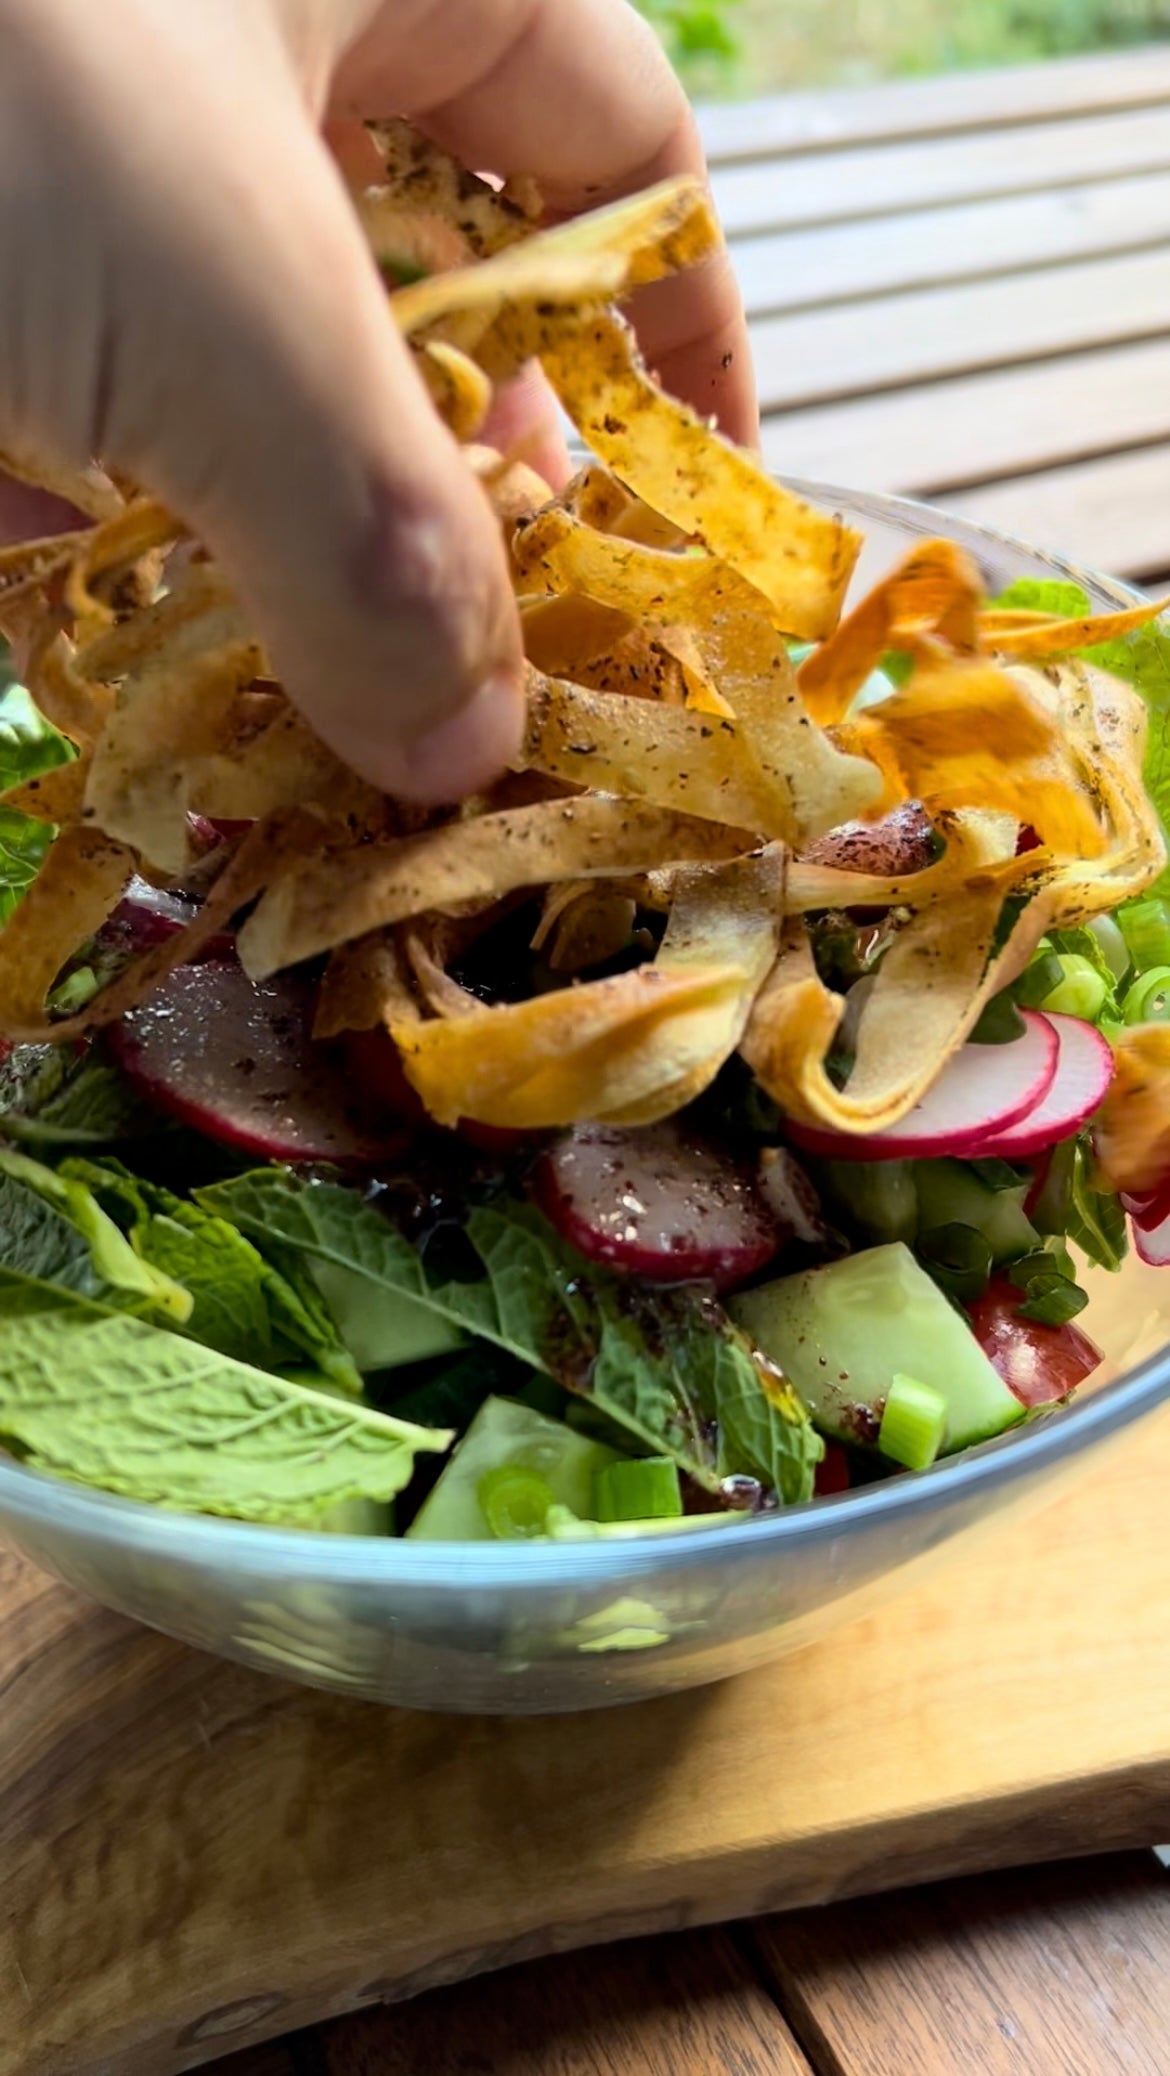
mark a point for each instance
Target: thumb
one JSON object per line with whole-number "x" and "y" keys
{"x": 242, "y": 363}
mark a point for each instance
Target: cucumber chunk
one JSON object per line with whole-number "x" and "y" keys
{"x": 950, "y": 1193}
{"x": 506, "y": 1432}
{"x": 842, "y": 1333}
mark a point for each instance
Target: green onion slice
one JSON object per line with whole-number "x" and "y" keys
{"x": 514, "y": 1501}
{"x": 914, "y": 1422}
{"x": 642, "y": 1488}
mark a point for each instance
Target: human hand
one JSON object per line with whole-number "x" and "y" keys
{"x": 184, "y": 290}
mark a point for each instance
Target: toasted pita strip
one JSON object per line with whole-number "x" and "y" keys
{"x": 65, "y": 695}
{"x": 591, "y": 258}
{"x": 327, "y": 900}
{"x": 935, "y": 591}
{"x": 79, "y": 885}
{"x": 113, "y": 545}
{"x": 366, "y": 984}
{"x": 55, "y": 796}
{"x": 1048, "y": 636}
{"x": 413, "y": 240}
{"x": 631, "y": 1049}
{"x": 667, "y": 755}
{"x": 193, "y": 615}
{"x": 460, "y": 391}
{"x": 420, "y": 176}
{"x": 800, "y": 559}
{"x": 29, "y": 565}
{"x": 1131, "y": 1131}
{"x": 259, "y": 857}
{"x": 89, "y": 490}
{"x": 442, "y": 995}
{"x": 284, "y": 765}
{"x": 743, "y": 656}
{"x": 563, "y": 632}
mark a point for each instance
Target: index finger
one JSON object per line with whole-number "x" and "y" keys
{"x": 579, "y": 94}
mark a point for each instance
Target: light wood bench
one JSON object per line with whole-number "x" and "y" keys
{"x": 960, "y": 289}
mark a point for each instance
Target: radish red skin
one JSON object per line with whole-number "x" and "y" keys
{"x": 235, "y": 1061}
{"x": 1084, "y": 1069}
{"x": 947, "y": 1118}
{"x": 654, "y": 1203}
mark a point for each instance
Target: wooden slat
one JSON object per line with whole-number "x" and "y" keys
{"x": 932, "y": 439}
{"x": 873, "y": 181}
{"x": 654, "y": 2009}
{"x": 792, "y": 270}
{"x": 784, "y": 123}
{"x": 918, "y": 337}
{"x": 1112, "y": 515}
{"x": 1060, "y": 1972}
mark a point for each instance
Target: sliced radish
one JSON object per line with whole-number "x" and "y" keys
{"x": 982, "y": 1091}
{"x": 1084, "y": 1069}
{"x": 658, "y": 1204}
{"x": 234, "y": 1059}
{"x": 1149, "y": 1209}
{"x": 1153, "y": 1244}
{"x": 148, "y": 915}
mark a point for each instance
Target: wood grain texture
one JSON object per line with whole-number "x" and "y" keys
{"x": 196, "y": 1857}
{"x": 1079, "y": 406}
{"x": 1057, "y": 1971}
{"x": 777, "y": 125}
{"x": 655, "y": 2008}
{"x": 828, "y": 187}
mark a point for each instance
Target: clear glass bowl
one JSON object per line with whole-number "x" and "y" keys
{"x": 504, "y": 1628}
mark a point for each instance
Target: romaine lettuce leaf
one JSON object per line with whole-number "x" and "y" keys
{"x": 242, "y": 1306}
{"x": 28, "y": 746}
{"x": 112, "y": 1401}
{"x": 666, "y": 1366}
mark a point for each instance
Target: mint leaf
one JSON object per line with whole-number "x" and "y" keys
{"x": 242, "y": 1306}
{"x": 109, "y": 1400}
{"x": 55, "y": 1095}
{"x": 666, "y": 1366}
{"x": 1096, "y": 1222}
{"x": 28, "y": 746}
{"x": 52, "y": 1228}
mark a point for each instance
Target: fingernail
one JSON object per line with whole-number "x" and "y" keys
{"x": 469, "y": 748}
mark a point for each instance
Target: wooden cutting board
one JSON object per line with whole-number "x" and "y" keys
{"x": 193, "y": 1856}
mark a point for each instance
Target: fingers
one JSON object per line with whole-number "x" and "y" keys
{"x": 578, "y": 93}
{"x": 230, "y": 346}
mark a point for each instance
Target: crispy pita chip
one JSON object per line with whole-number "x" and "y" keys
{"x": 1029, "y": 635}
{"x": 742, "y": 655}
{"x": 425, "y": 180}
{"x": 56, "y": 796}
{"x": 90, "y": 490}
{"x": 588, "y": 260}
{"x": 28, "y": 566}
{"x": 366, "y": 984}
{"x": 64, "y": 694}
{"x": 283, "y": 764}
{"x": 668, "y": 755}
{"x": 798, "y": 558}
{"x": 934, "y": 593}
{"x": 627, "y": 1050}
{"x": 326, "y": 900}
{"x": 459, "y": 390}
{"x": 112, "y": 547}
{"x": 78, "y": 887}
{"x": 1131, "y": 1131}
{"x": 584, "y": 923}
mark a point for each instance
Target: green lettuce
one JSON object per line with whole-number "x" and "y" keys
{"x": 54, "y": 1095}
{"x": 666, "y": 1367}
{"x": 53, "y": 1229}
{"x": 28, "y": 747}
{"x": 109, "y": 1400}
{"x": 241, "y": 1305}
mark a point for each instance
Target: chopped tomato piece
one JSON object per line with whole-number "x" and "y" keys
{"x": 1041, "y": 1364}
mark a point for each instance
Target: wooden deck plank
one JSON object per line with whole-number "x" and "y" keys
{"x": 816, "y": 355}
{"x": 655, "y": 2008}
{"x": 781, "y": 124}
{"x": 793, "y": 270}
{"x": 1059, "y": 1972}
{"x": 1112, "y": 514}
{"x": 932, "y": 440}
{"x": 873, "y": 181}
